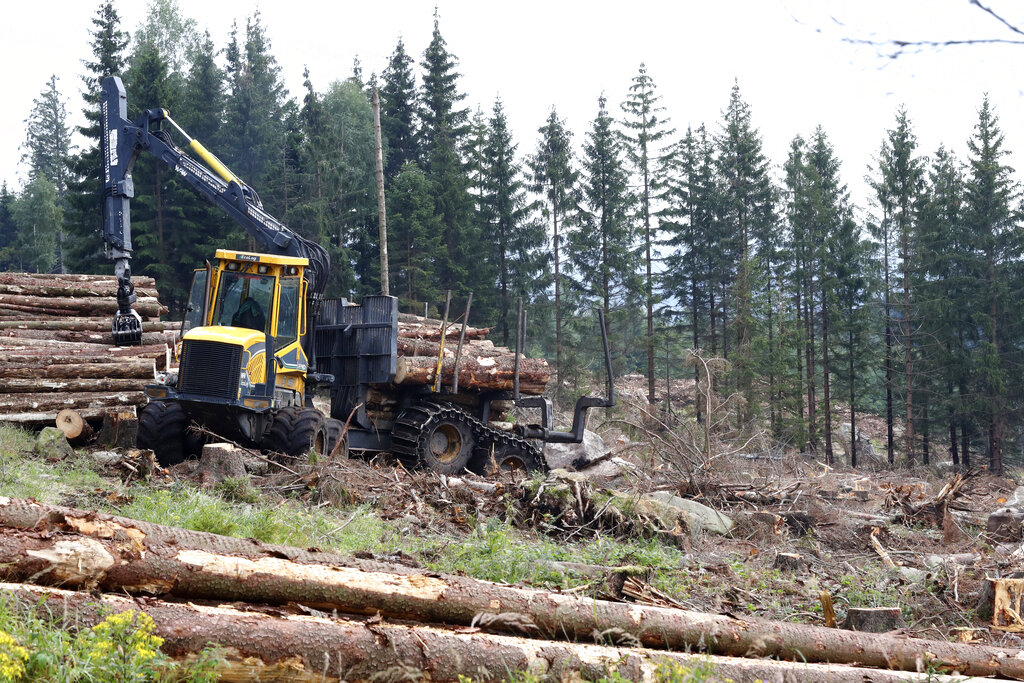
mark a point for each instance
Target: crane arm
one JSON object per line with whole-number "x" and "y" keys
{"x": 122, "y": 142}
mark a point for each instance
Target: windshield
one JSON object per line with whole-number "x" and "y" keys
{"x": 243, "y": 300}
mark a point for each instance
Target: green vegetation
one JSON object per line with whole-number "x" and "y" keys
{"x": 35, "y": 645}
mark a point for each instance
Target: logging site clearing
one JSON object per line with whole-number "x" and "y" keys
{"x": 631, "y": 558}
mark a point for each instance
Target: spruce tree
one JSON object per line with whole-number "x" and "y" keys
{"x": 84, "y": 217}
{"x": 517, "y": 240}
{"x": 602, "y": 251}
{"x": 898, "y": 189}
{"x": 414, "y": 238}
{"x": 398, "y": 112}
{"x": 992, "y": 212}
{"x": 646, "y": 134}
{"x": 443, "y": 131}
{"x": 554, "y": 177}
{"x": 8, "y": 228}
{"x": 37, "y": 216}
{"x": 748, "y": 216}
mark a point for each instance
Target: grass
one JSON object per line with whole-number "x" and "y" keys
{"x": 24, "y": 476}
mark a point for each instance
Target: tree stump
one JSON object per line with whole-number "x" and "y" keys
{"x": 874, "y": 619}
{"x": 1005, "y": 526}
{"x": 119, "y": 430}
{"x": 220, "y": 461}
{"x": 791, "y": 562}
{"x": 74, "y": 426}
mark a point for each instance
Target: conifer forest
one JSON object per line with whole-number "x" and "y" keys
{"x": 693, "y": 242}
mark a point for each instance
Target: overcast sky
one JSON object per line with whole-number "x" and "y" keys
{"x": 789, "y": 56}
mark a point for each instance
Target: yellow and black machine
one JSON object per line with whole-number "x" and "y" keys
{"x": 259, "y": 338}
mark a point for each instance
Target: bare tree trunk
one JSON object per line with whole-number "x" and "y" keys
{"x": 382, "y": 220}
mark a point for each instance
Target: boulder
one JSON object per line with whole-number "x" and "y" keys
{"x": 671, "y": 510}
{"x": 52, "y": 444}
{"x": 575, "y": 455}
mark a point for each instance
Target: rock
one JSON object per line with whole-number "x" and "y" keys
{"x": 1016, "y": 499}
{"x": 1005, "y": 525}
{"x": 106, "y": 458}
{"x": 912, "y": 575}
{"x": 874, "y": 619}
{"x": 220, "y": 461}
{"x": 671, "y": 510}
{"x": 575, "y": 455}
{"x": 52, "y": 444}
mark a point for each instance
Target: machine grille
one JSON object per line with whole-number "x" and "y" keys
{"x": 210, "y": 369}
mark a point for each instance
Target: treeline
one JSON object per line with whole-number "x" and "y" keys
{"x": 685, "y": 238}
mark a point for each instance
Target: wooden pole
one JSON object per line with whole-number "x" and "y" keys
{"x": 382, "y": 220}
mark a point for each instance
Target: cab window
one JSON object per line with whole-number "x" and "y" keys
{"x": 288, "y": 312}
{"x": 196, "y": 308}
{"x": 243, "y": 300}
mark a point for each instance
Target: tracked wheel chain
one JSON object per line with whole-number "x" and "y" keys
{"x": 490, "y": 439}
{"x": 409, "y": 434}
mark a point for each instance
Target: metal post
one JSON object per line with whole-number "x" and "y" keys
{"x": 440, "y": 351}
{"x": 519, "y": 332}
{"x": 462, "y": 338}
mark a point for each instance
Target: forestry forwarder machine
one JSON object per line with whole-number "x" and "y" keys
{"x": 258, "y": 339}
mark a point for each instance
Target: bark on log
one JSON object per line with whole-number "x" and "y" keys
{"x": 476, "y": 373}
{"x": 309, "y": 647}
{"x": 12, "y": 347}
{"x": 120, "y": 429}
{"x": 97, "y": 551}
{"x": 433, "y": 332}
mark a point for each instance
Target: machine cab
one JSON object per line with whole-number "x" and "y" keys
{"x": 249, "y": 301}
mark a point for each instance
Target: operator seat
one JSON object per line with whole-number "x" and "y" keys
{"x": 250, "y": 314}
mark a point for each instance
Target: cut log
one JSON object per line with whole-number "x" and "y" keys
{"x": 433, "y": 332}
{"x": 307, "y": 646}
{"x": 1006, "y": 597}
{"x": 101, "y": 368}
{"x": 77, "y": 548}
{"x": 481, "y": 348}
{"x": 874, "y": 619}
{"x": 168, "y": 337}
{"x": 81, "y": 324}
{"x": 120, "y": 429}
{"x": 93, "y": 385}
{"x": 30, "y": 279}
{"x": 74, "y": 426}
{"x": 57, "y": 401}
{"x": 87, "y": 305}
{"x": 476, "y": 373}
{"x": 101, "y": 289}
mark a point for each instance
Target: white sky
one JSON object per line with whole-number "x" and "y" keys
{"x": 788, "y": 55}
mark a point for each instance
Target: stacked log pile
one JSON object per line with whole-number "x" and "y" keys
{"x": 57, "y": 352}
{"x": 371, "y": 616}
{"x": 482, "y": 365}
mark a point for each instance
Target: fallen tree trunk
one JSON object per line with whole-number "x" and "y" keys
{"x": 308, "y": 646}
{"x": 97, "y": 551}
{"x": 100, "y": 289}
{"x": 12, "y": 347}
{"x": 476, "y": 373}
{"x": 433, "y": 332}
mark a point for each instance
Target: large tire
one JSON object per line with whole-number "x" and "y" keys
{"x": 309, "y": 433}
{"x": 162, "y": 426}
{"x": 334, "y": 430}
{"x": 277, "y": 439}
{"x": 507, "y": 456}
{"x": 434, "y": 437}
